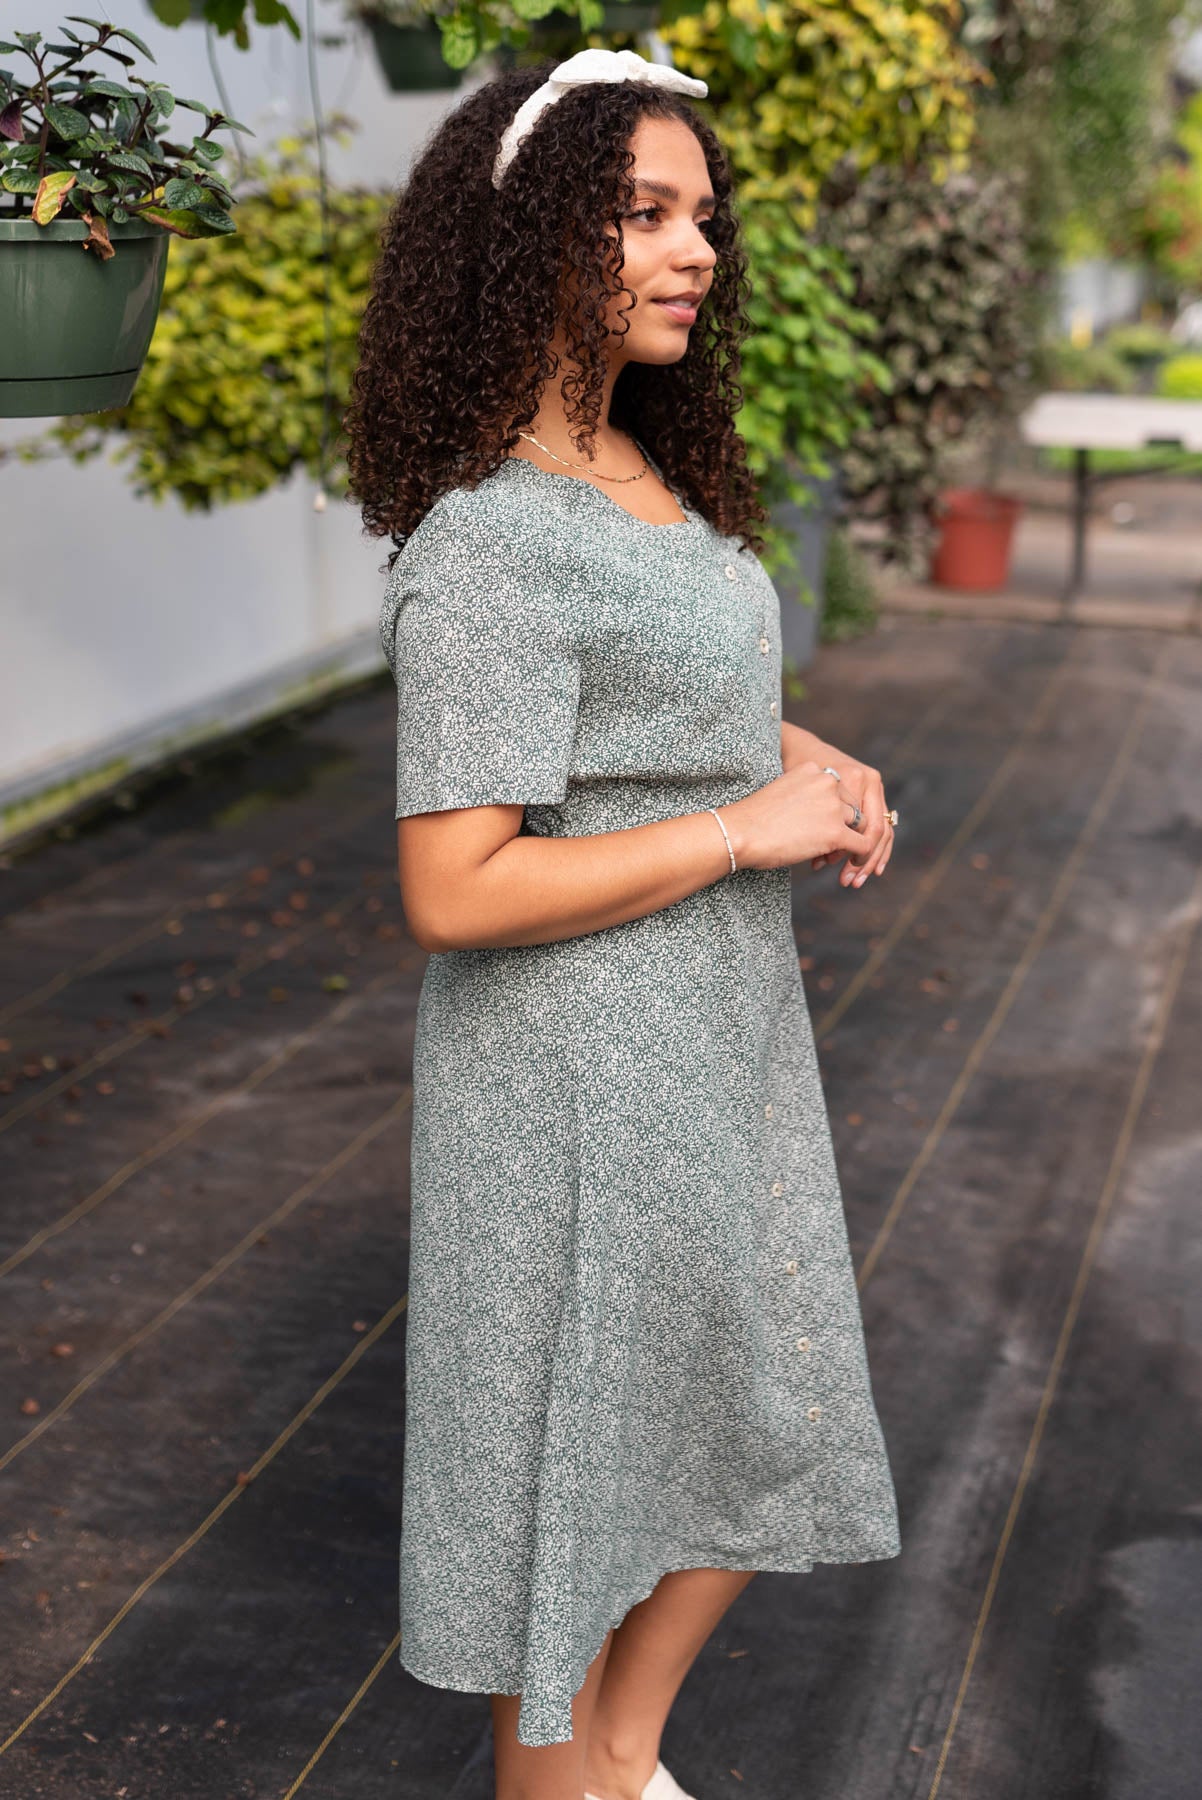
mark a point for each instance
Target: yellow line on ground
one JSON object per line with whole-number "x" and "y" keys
{"x": 1088, "y": 1258}
{"x": 384, "y": 1658}
{"x": 222, "y": 1507}
{"x": 156, "y": 928}
{"x": 1035, "y": 943}
{"x": 932, "y": 877}
{"x": 155, "y": 1152}
{"x": 211, "y": 1274}
{"x": 132, "y": 1040}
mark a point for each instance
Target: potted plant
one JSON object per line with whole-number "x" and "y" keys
{"x": 240, "y": 392}
{"x": 85, "y": 167}
{"x": 408, "y": 44}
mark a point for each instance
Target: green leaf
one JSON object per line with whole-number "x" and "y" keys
{"x": 216, "y": 217}
{"x": 187, "y": 223}
{"x": 131, "y": 37}
{"x": 181, "y": 192}
{"x": 129, "y": 159}
{"x": 19, "y": 181}
{"x": 67, "y": 121}
{"x": 113, "y": 89}
{"x": 194, "y": 105}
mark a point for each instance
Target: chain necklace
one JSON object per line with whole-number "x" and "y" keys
{"x": 531, "y": 439}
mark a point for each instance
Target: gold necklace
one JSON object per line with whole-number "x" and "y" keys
{"x": 531, "y": 439}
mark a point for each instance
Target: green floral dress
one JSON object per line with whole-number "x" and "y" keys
{"x": 634, "y": 1337}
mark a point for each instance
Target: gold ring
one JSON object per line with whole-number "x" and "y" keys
{"x": 891, "y": 816}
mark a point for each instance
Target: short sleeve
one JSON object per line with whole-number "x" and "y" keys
{"x": 487, "y": 681}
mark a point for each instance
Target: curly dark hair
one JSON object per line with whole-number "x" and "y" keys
{"x": 467, "y": 291}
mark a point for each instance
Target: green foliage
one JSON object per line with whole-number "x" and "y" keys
{"x": 1181, "y": 377}
{"x": 1076, "y": 92}
{"x": 229, "y": 18}
{"x": 807, "y": 366}
{"x": 942, "y": 268}
{"x": 1140, "y": 344}
{"x": 800, "y": 86}
{"x": 229, "y": 402}
{"x": 1085, "y": 368}
{"x": 468, "y": 27}
{"x": 1168, "y": 231}
{"x": 1061, "y": 459}
{"x": 849, "y": 606}
{"x": 72, "y": 135}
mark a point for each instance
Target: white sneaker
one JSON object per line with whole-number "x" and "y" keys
{"x": 663, "y": 1785}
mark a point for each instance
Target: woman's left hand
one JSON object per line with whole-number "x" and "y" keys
{"x": 866, "y": 786}
{"x": 859, "y": 782}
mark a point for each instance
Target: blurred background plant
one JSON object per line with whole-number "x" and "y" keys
{"x": 942, "y": 268}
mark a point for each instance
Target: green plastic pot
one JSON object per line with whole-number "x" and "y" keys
{"x": 410, "y": 56}
{"x": 76, "y": 329}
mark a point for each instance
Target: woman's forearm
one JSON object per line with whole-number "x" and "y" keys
{"x": 535, "y": 890}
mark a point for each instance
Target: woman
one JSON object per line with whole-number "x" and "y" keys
{"x": 635, "y": 1362}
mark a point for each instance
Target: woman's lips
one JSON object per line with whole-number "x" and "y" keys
{"x": 677, "y": 309}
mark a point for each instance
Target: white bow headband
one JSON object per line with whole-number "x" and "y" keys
{"x": 587, "y": 65}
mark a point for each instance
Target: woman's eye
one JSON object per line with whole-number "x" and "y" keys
{"x": 650, "y": 212}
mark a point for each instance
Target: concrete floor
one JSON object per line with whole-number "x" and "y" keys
{"x": 206, "y": 1013}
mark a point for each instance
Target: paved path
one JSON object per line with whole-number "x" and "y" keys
{"x": 206, "y": 1011}
{"x": 1145, "y": 573}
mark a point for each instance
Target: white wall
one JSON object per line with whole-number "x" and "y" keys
{"x": 129, "y": 626}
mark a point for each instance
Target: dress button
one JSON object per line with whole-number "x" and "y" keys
{"x": 768, "y": 1109}
{"x": 778, "y": 1187}
{"x": 764, "y": 645}
{"x": 790, "y": 1268}
{"x": 814, "y": 1412}
{"x": 731, "y": 572}
{"x": 772, "y": 709}
{"x": 803, "y": 1343}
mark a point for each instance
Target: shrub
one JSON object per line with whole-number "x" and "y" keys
{"x": 1181, "y": 377}
{"x": 849, "y": 598}
{"x": 1086, "y": 368}
{"x": 942, "y": 268}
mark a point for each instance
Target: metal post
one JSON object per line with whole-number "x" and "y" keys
{"x": 1080, "y": 521}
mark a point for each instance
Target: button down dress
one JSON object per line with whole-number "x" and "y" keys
{"x": 634, "y": 1341}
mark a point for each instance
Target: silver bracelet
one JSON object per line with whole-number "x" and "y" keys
{"x": 723, "y": 830}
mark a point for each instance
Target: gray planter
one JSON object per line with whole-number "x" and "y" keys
{"x": 809, "y": 529}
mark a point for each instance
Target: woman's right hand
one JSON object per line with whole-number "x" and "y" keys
{"x": 801, "y": 814}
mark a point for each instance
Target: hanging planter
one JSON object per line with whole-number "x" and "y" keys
{"x": 93, "y": 194}
{"x": 976, "y": 529}
{"x": 410, "y": 56}
{"x": 408, "y": 45}
{"x": 76, "y": 329}
{"x": 619, "y": 15}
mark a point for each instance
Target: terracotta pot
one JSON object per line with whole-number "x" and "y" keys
{"x": 976, "y": 531}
